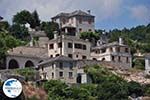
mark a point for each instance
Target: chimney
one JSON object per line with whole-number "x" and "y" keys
{"x": 55, "y": 34}
{"x": 31, "y": 42}
{"x": 121, "y": 41}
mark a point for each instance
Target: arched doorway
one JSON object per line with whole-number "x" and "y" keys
{"x": 29, "y": 64}
{"x": 13, "y": 64}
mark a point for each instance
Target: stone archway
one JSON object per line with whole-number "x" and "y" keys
{"x": 13, "y": 64}
{"x": 29, "y": 64}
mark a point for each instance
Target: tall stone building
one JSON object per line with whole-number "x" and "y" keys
{"x": 75, "y": 22}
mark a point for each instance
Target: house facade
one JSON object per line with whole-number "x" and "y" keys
{"x": 75, "y": 22}
{"x": 70, "y": 46}
{"x": 116, "y": 52}
{"x": 65, "y": 69}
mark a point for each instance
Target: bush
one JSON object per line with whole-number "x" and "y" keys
{"x": 28, "y": 73}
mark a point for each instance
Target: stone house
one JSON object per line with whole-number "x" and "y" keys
{"x": 65, "y": 69}
{"x": 75, "y": 22}
{"x": 70, "y": 46}
{"x": 116, "y": 52}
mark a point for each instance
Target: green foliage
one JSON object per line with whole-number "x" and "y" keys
{"x": 28, "y": 73}
{"x": 49, "y": 28}
{"x": 19, "y": 31}
{"x": 6, "y": 42}
{"x": 91, "y": 36}
{"x": 22, "y": 17}
{"x": 135, "y": 89}
{"x": 4, "y": 25}
{"x": 35, "y": 21}
{"x": 139, "y": 64}
{"x": 138, "y": 38}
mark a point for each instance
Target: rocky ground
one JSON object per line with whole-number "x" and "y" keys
{"x": 34, "y": 93}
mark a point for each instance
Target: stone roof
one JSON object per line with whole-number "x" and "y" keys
{"x": 38, "y": 33}
{"x": 147, "y": 55}
{"x": 75, "y": 13}
{"x": 109, "y": 45}
{"x": 25, "y": 51}
{"x": 58, "y": 58}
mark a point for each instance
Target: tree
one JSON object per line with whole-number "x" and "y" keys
{"x": 91, "y": 36}
{"x": 135, "y": 89}
{"x": 36, "y": 20}
{"x": 49, "y": 28}
{"x": 22, "y": 17}
{"x": 4, "y": 25}
{"x": 19, "y": 31}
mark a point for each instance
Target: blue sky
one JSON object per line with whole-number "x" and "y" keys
{"x": 109, "y": 14}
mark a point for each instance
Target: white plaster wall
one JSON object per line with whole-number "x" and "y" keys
{"x": 73, "y": 51}
{"x": 147, "y": 66}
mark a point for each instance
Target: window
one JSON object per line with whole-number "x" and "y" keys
{"x": 51, "y": 56}
{"x": 51, "y": 46}
{"x": 76, "y": 56}
{"x": 57, "y": 55}
{"x": 52, "y": 65}
{"x": 103, "y": 50}
{"x": 83, "y": 57}
{"x": 94, "y": 59}
{"x": 78, "y": 46}
{"x": 70, "y": 55}
{"x": 80, "y": 29}
{"x": 60, "y": 45}
{"x": 126, "y": 50}
{"x": 127, "y": 60}
{"x": 61, "y": 65}
{"x": 69, "y": 45}
{"x": 60, "y": 74}
{"x": 118, "y": 49}
{"x": 84, "y": 47}
{"x": 52, "y": 75}
{"x": 71, "y": 65}
{"x": 90, "y": 30}
{"x": 113, "y": 58}
{"x": 103, "y": 59}
{"x": 70, "y": 74}
{"x": 119, "y": 59}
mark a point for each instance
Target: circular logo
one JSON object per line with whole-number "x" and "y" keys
{"x": 12, "y": 88}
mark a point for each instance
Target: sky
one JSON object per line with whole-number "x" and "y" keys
{"x": 109, "y": 14}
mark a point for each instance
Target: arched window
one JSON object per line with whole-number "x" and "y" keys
{"x": 29, "y": 64}
{"x": 103, "y": 59}
{"x": 13, "y": 64}
{"x": 94, "y": 59}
